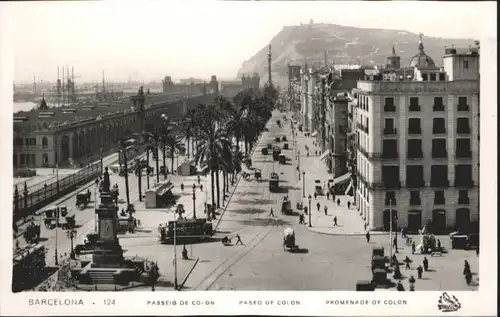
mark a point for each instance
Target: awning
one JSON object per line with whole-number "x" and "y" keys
{"x": 344, "y": 178}
{"x": 314, "y": 134}
{"x": 324, "y": 155}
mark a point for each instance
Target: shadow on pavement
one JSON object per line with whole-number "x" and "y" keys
{"x": 249, "y": 211}
{"x": 281, "y": 190}
{"x": 255, "y": 201}
{"x": 253, "y": 194}
{"x": 31, "y": 282}
{"x": 294, "y": 214}
{"x": 299, "y": 250}
{"x": 265, "y": 222}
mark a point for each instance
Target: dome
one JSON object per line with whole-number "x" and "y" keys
{"x": 422, "y": 60}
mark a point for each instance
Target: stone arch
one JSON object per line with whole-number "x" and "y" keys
{"x": 88, "y": 141}
{"x": 74, "y": 140}
{"x": 81, "y": 143}
{"x": 95, "y": 139}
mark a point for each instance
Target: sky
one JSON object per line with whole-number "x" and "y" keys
{"x": 148, "y": 40}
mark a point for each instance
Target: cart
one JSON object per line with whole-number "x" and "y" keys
{"x": 269, "y": 146}
{"x": 318, "y": 189}
{"x": 257, "y": 174}
{"x": 64, "y": 210}
{"x": 286, "y": 207}
{"x": 285, "y": 146}
{"x": 70, "y": 222}
{"x": 379, "y": 277}
{"x": 378, "y": 262}
{"x": 82, "y": 200}
{"x": 289, "y": 240}
{"x": 364, "y": 286}
{"x": 265, "y": 151}
{"x": 282, "y": 159}
{"x": 276, "y": 153}
{"x": 378, "y": 250}
{"x": 273, "y": 182}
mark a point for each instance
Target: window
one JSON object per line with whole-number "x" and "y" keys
{"x": 424, "y": 77}
{"x": 390, "y": 148}
{"x": 463, "y": 197}
{"x": 438, "y": 104}
{"x": 441, "y": 77}
{"x": 415, "y": 176}
{"x": 438, "y": 126}
{"x": 415, "y": 198}
{"x": 390, "y": 198}
{"x": 415, "y": 148}
{"x": 466, "y": 64}
{"x": 389, "y": 105}
{"x": 367, "y": 103}
{"x": 390, "y": 176}
{"x": 463, "y": 148}
{"x": 439, "y": 148}
{"x": 389, "y": 127}
{"x": 462, "y": 104}
{"x": 45, "y": 142}
{"x": 463, "y": 126}
{"x": 439, "y": 197}
{"x": 439, "y": 176}
{"x": 22, "y": 159}
{"x": 463, "y": 176}
{"x": 433, "y": 76}
{"x": 414, "y": 126}
{"x": 414, "y": 104}
{"x": 367, "y": 125}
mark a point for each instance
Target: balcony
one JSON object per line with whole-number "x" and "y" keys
{"x": 389, "y": 131}
{"x": 463, "y": 154}
{"x": 463, "y": 107}
{"x": 438, "y": 108}
{"x": 415, "y": 155}
{"x": 463, "y": 200}
{"x": 464, "y": 183}
{"x": 415, "y": 131}
{"x": 388, "y": 155}
{"x": 439, "y": 154}
{"x": 385, "y": 185}
{"x": 440, "y": 130}
{"x": 389, "y": 108}
{"x": 377, "y": 155}
{"x": 390, "y": 202}
{"x": 415, "y": 202}
{"x": 415, "y": 184}
{"x": 414, "y": 108}
{"x": 461, "y": 130}
{"x": 440, "y": 183}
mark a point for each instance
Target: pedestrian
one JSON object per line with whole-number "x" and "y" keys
{"x": 420, "y": 270}
{"x": 367, "y": 237}
{"x": 326, "y": 210}
{"x": 439, "y": 245}
{"x": 407, "y": 261}
{"x": 327, "y": 195}
{"x": 477, "y": 250}
{"x": 400, "y": 287}
{"x": 411, "y": 280}
{"x": 305, "y": 209}
{"x": 335, "y": 221}
{"x": 271, "y": 213}
{"x": 315, "y": 195}
{"x": 402, "y": 232}
{"x": 318, "y": 205}
{"x": 413, "y": 247}
{"x": 182, "y": 186}
{"x": 199, "y": 180}
{"x": 468, "y": 278}
{"x": 348, "y": 205}
{"x": 301, "y": 219}
{"x": 395, "y": 243}
{"x": 425, "y": 262}
{"x": 338, "y": 201}
{"x": 201, "y": 187}
{"x": 412, "y": 287}
{"x": 239, "y": 240}
{"x": 466, "y": 267}
{"x": 397, "y": 273}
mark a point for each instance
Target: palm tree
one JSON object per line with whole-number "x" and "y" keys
{"x": 174, "y": 144}
{"x": 124, "y": 145}
{"x": 165, "y": 133}
{"x": 237, "y": 121}
{"x": 212, "y": 143}
{"x": 189, "y": 124}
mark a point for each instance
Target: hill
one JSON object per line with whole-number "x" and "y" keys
{"x": 343, "y": 45}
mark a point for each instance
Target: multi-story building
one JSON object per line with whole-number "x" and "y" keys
{"x": 417, "y": 140}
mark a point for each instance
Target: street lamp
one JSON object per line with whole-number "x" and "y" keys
{"x": 71, "y": 235}
{"x": 390, "y": 231}
{"x": 194, "y": 201}
{"x": 303, "y": 184}
{"x": 102, "y": 166}
{"x": 310, "y": 210}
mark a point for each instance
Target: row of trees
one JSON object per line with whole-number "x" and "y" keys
{"x": 213, "y": 132}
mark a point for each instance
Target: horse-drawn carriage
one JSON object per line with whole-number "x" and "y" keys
{"x": 286, "y": 206}
{"x": 285, "y": 146}
{"x": 282, "y": 159}
{"x": 257, "y": 174}
{"x": 32, "y": 233}
{"x": 264, "y": 151}
{"x": 69, "y": 222}
{"x": 276, "y": 153}
{"x": 52, "y": 213}
{"x": 378, "y": 266}
{"x": 289, "y": 240}
{"x": 274, "y": 182}
{"x": 83, "y": 199}
{"x": 277, "y": 139}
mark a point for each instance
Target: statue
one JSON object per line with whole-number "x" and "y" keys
{"x": 141, "y": 91}
{"x": 106, "y": 183}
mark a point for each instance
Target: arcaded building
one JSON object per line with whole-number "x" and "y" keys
{"x": 417, "y": 145}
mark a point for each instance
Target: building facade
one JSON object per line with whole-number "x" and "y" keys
{"x": 417, "y": 145}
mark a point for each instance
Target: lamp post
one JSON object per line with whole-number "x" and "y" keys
{"x": 194, "y": 201}
{"x": 102, "y": 166}
{"x": 298, "y": 162}
{"x": 71, "y": 235}
{"x": 138, "y": 172}
{"x": 390, "y": 231}
{"x": 57, "y": 230}
{"x": 310, "y": 210}
{"x": 175, "y": 252}
{"x": 303, "y": 184}
{"x": 57, "y": 178}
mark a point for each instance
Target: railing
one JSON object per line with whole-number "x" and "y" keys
{"x": 463, "y": 107}
{"x": 392, "y": 131}
{"x": 414, "y": 108}
{"x": 440, "y": 183}
{"x": 440, "y": 154}
{"x": 463, "y": 130}
{"x": 29, "y": 202}
{"x": 464, "y": 183}
{"x": 389, "y": 108}
{"x": 415, "y": 155}
{"x": 378, "y": 155}
{"x": 414, "y": 131}
{"x": 438, "y": 108}
{"x": 415, "y": 184}
{"x": 463, "y": 154}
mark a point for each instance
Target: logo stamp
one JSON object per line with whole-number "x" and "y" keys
{"x": 447, "y": 303}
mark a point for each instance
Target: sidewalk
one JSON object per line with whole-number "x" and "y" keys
{"x": 348, "y": 219}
